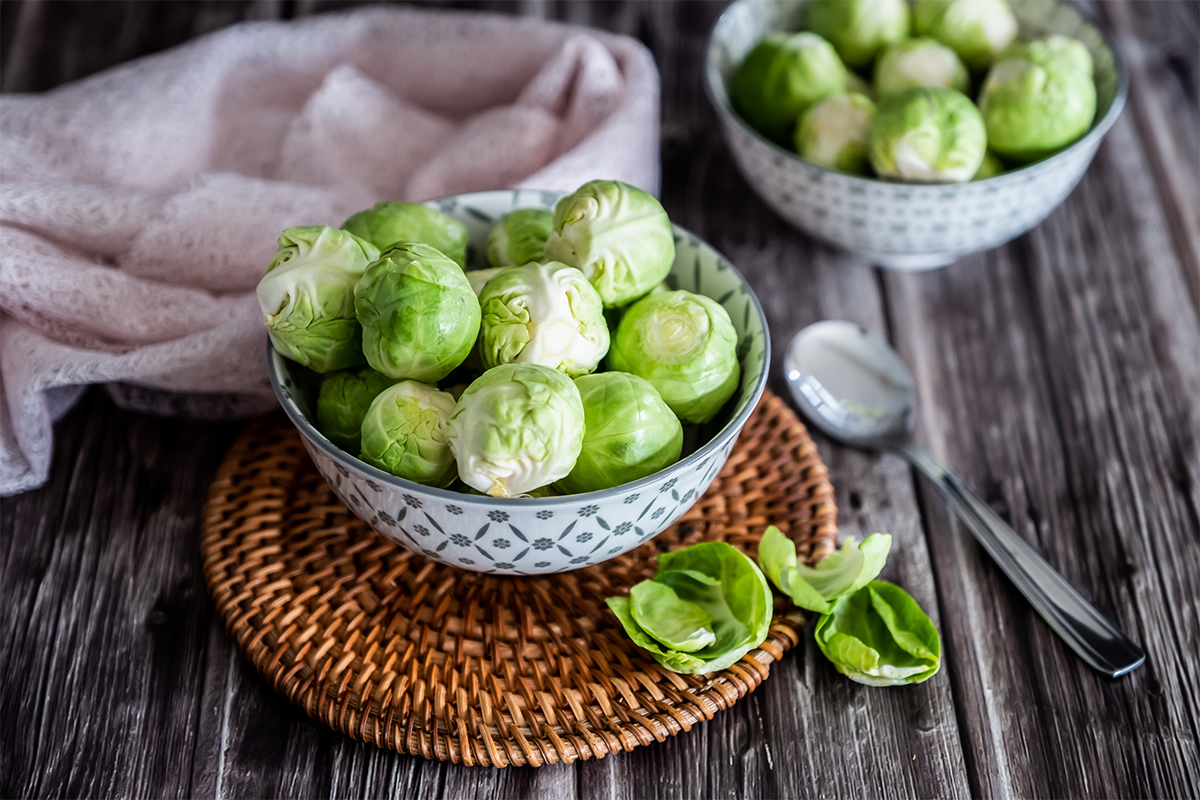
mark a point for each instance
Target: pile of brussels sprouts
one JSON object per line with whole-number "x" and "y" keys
{"x": 915, "y": 121}
{"x": 491, "y": 380}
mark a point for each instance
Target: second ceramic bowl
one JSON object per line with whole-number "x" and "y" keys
{"x": 898, "y": 225}
{"x": 556, "y": 534}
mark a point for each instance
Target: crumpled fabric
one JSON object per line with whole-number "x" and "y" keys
{"x": 140, "y": 206}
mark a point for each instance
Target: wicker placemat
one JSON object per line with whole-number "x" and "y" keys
{"x": 392, "y": 648}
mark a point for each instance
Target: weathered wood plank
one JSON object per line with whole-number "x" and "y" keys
{"x": 1059, "y": 374}
{"x": 107, "y": 610}
{"x": 1162, "y": 53}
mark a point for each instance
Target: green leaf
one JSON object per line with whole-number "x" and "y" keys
{"x": 839, "y": 573}
{"x": 676, "y": 623}
{"x": 707, "y": 590}
{"x": 879, "y": 636}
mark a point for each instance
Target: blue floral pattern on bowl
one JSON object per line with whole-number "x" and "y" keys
{"x": 553, "y": 534}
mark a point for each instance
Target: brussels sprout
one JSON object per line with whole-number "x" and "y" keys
{"x": 781, "y": 77}
{"x": 1038, "y": 98}
{"x": 629, "y": 433}
{"x": 880, "y": 636}
{"x": 978, "y": 30}
{"x": 685, "y": 346}
{"x": 519, "y": 237}
{"x": 343, "y": 401}
{"x": 920, "y": 62}
{"x": 706, "y": 607}
{"x": 927, "y": 136}
{"x": 618, "y": 235}
{"x": 307, "y": 296}
{"x": 517, "y": 428}
{"x": 990, "y": 168}
{"x": 404, "y": 433}
{"x": 419, "y": 316}
{"x": 839, "y": 573}
{"x": 391, "y": 222}
{"x": 859, "y": 29}
{"x": 544, "y": 314}
{"x": 833, "y": 133}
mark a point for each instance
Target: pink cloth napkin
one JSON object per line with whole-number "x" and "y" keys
{"x": 140, "y": 206}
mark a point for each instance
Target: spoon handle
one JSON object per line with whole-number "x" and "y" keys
{"x": 1094, "y": 637}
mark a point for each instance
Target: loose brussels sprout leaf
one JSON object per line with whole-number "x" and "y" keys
{"x": 517, "y": 428}
{"x": 391, "y": 222}
{"x": 404, "y": 433}
{"x": 343, "y": 401}
{"x": 833, "y": 133}
{"x": 841, "y": 572}
{"x": 978, "y": 30}
{"x": 781, "y": 77}
{"x": 927, "y": 136}
{"x": 1038, "y": 98}
{"x": 418, "y": 313}
{"x": 307, "y": 296}
{"x": 712, "y": 580}
{"x": 684, "y": 344}
{"x": 880, "y": 636}
{"x": 917, "y": 63}
{"x": 859, "y": 29}
{"x": 544, "y": 314}
{"x": 990, "y": 168}
{"x": 519, "y": 237}
{"x": 618, "y": 235}
{"x": 629, "y": 433}
{"x": 677, "y": 624}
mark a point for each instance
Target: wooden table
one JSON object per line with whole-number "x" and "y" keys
{"x": 1060, "y": 374}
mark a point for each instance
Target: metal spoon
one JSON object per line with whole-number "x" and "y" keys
{"x": 854, "y": 388}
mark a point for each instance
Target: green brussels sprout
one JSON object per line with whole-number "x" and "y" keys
{"x": 391, "y": 222}
{"x": 686, "y": 347}
{"x": 990, "y": 168}
{"x": 1038, "y": 98}
{"x": 833, "y": 133}
{"x": 927, "y": 136}
{"x": 343, "y": 401}
{"x": 517, "y": 428}
{"x": 307, "y": 296}
{"x": 629, "y": 433}
{"x": 978, "y": 30}
{"x": 879, "y": 636}
{"x": 916, "y": 63}
{"x": 618, "y": 235}
{"x": 419, "y": 316}
{"x": 859, "y": 29}
{"x": 544, "y": 314}
{"x": 519, "y": 237}
{"x": 781, "y": 77}
{"x": 404, "y": 433}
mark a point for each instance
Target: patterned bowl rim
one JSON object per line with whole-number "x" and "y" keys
{"x": 720, "y": 101}
{"x": 731, "y": 429}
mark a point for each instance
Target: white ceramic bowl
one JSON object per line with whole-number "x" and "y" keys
{"x": 897, "y": 225}
{"x": 531, "y": 537}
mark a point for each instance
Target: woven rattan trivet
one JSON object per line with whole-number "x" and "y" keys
{"x": 423, "y": 658}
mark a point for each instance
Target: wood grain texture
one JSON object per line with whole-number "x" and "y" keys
{"x": 1058, "y": 374}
